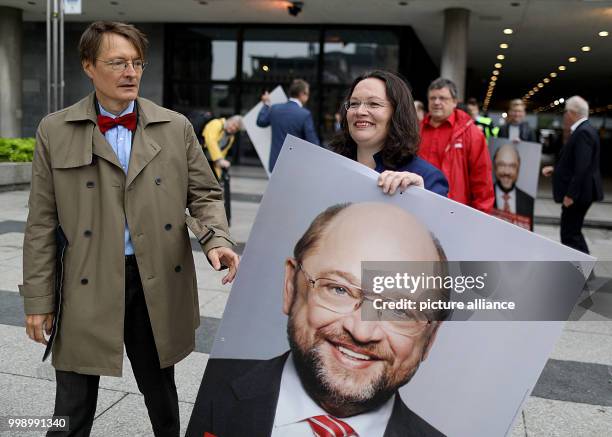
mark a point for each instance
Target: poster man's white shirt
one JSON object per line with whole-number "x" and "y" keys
{"x": 499, "y": 199}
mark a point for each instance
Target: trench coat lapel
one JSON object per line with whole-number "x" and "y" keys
{"x": 102, "y": 149}
{"x": 144, "y": 148}
{"x": 84, "y": 111}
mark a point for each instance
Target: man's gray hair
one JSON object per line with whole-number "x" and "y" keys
{"x": 235, "y": 118}
{"x": 578, "y": 105}
{"x": 441, "y": 82}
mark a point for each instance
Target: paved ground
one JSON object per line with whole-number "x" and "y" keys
{"x": 573, "y": 397}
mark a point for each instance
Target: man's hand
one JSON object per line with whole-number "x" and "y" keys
{"x": 547, "y": 170}
{"x": 35, "y": 323}
{"x": 224, "y": 256}
{"x": 265, "y": 98}
{"x": 567, "y": 201}
{"x": 223, "y": 163}
{"x": 390, "y": 181}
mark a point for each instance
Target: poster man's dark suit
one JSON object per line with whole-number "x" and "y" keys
{"x": 286, "y": 118}
{"x": 238, "y": 398}
{"x": 577, "y": 175}
{"x": 524, "y": 204}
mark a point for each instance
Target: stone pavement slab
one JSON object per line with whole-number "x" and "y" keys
{"x": 601, "y": 327}
{"x": 585, "y": 347}
{"x": 549, "y": 418}
{"x": 212, "y": 303}
{"x": 574, "y": 381}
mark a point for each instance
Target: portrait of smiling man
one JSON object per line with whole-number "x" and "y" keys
{"x": 107, "y": 258}
{"x": 342, "y": 373}
{"x": 509, "y": 199}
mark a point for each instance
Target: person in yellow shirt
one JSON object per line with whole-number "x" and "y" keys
{"x": 219, "y": 135}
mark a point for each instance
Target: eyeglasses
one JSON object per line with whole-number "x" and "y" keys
{"x": 371, "y": 105}
{"x": 342, "y": 298}
{"x": 442, "y": 99}
{"x": 122, "y": 64}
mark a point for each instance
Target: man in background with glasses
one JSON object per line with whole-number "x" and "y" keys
{"x": 342, "y": 373}
{"x": 451, "y": 141}
{"x": 107, "y": 256}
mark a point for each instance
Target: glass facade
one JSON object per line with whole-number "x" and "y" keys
{"x": 350, "y": 53}
{"x": 226, "y": 69}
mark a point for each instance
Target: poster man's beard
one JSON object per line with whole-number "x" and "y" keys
{"x": 325, "y": 388}
{"x": 505, "y": 190}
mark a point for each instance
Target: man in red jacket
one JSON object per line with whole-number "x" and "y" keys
{"x": 451, "y": 141}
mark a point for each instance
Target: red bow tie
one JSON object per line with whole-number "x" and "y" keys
{"x": 128, "y": 121}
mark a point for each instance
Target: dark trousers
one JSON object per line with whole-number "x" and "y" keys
{"x": 77, "y": 394}
{"x": 572, "y": 219}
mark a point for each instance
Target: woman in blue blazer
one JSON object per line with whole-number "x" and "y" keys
{"x": 379, "y": 128}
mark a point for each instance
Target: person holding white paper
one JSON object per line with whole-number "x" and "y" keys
{"x": 380, "y": 129}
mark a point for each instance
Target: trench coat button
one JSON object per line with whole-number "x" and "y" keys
{"x": 168, "y": 226}
{"x": 84, "y": 281}
{"x": 90, "y": 184}
{"x": 178, "y": 269}
{"x": 87, "y": 233}
{"x": 158, "y": 180}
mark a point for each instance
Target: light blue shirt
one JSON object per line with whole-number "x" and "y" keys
{"x": 120, "y": 139}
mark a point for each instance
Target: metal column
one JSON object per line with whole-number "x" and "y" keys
{"x": 55, "y": 55}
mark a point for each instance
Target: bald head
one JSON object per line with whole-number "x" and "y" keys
{"x": 369, "y": 232}
{"x": 380, "y": 232}
{"x": 507, "y": 153}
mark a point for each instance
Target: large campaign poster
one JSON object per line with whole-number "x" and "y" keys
{"x": 261, "y": 137}
{"x": 294, "y": 355}
{"x": 516, "y": 168}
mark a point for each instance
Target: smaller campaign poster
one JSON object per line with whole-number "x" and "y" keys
{"x": 516, "y": 167}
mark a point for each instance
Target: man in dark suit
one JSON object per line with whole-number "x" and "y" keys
{"x": 342, "y": 373}
{"x": 288, "y": 118}
{"x": 576, "y": 176}
{"x": 509, "y": 199}
{"x": 516, "y": 128}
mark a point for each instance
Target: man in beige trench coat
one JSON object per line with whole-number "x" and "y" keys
{"x": 115, "y": 173}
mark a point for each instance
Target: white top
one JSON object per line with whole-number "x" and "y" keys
{"x": 514, "y": 132}
{"x": 293, "y": 99}
{"x": 575, "y": 125}
{"x": 499, "y": 197}
{"x": 295, "y": 406}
